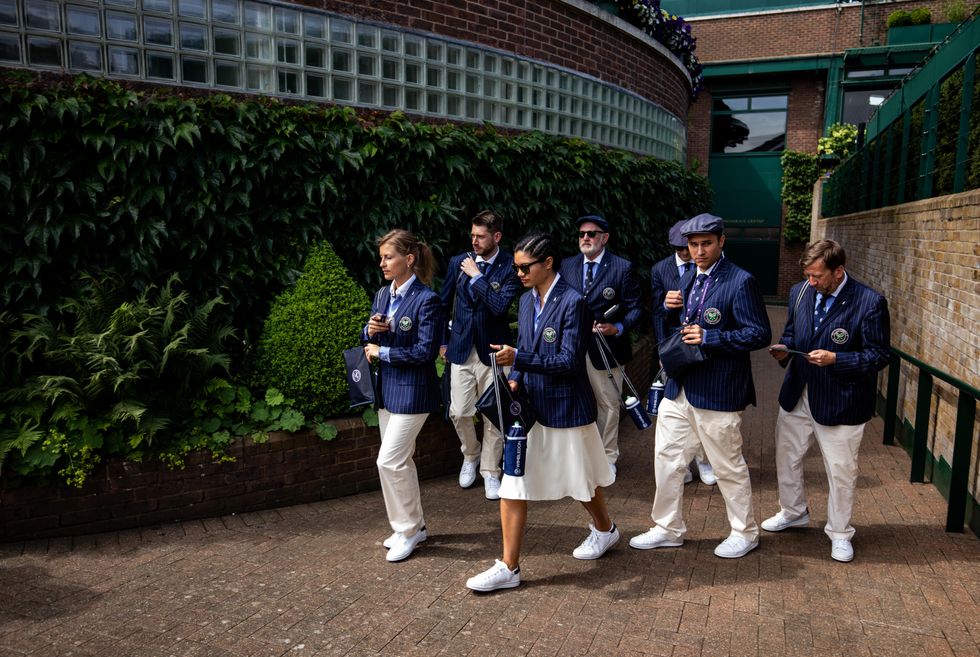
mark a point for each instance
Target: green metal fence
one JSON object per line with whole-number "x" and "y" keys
{"x": 924, "y": 140}
{"x": 966, "y": 412}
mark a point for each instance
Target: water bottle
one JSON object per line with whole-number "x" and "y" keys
{"x": 637, "y": 413}
{"x": 515, "y": 451}
{"x": 653, "y": 398}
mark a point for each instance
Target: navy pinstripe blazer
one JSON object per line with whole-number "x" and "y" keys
{"x": 408, "y": 384}
{"x": 663, "y": 278}
{"x": 551, "y": 361}
{"x": 481, "y": 308}
{"x": 613, "y": 283}
{"x": 857, "y": 329}
{"x": 739, "y": 325}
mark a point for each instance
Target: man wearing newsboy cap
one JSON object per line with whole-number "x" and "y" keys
{"x": 721, "y": 311}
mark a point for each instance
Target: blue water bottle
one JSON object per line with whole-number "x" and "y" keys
{"x": 654, "y": 396}
{"x": 637, "y": 413}
{"x": 515, "y": 451}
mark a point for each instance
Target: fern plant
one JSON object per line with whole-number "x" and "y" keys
{"x": 109, "y": 376}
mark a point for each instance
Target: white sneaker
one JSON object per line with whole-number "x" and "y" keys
{"x": 467, "y": 474}
{"x": 498, "y": 576}
{"x": 491, "y": 487}
{"x": 688, "y": 477}
{"x": 655, "y": 538}
{"x": 706, "y": 473}
{"x": 612, "y": 469}
{"x": 781, "y": 521}
{"x": 841, "y": 550}
{"x": 734, "y": 547}
{"x": 404, "y": 546}
{"x": 596, "y": 543}
{"x": 390, "y": 541}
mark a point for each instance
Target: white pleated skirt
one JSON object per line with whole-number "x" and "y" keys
{"x": 560, "y": 463}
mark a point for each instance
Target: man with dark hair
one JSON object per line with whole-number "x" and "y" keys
{"x": 722, "y": 313}
{"x": 836, "y": 340}
{"x": 479, "y": 288}
{"x": 612, "y": 292}
{"x": 665, "y": 276}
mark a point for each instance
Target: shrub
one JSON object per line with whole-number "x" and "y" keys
{"x": 899, "y": 18}
{"x": 107, "y": 377}
{"x": 921, "y": 16}
{"x": 841, "y": 140}
{"x": 309, "y": 326}
{"x": 955, "y": 10}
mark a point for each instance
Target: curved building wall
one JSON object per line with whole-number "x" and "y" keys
{"x": 561, "y": 67}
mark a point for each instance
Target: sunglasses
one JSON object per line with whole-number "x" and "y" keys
{"x": 525, "y": 268}
{"x": 589, "y": 233}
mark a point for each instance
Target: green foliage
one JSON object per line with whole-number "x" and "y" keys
{"x": 100, "y": 373}
{"x": 955, "y": 10}
{"x": 800, "y": 172}
{"x": 302, "y": 343}
{"x": 841, "y": 140}
{"x": 899, "y": 18}
{"x": 920, "y": 16}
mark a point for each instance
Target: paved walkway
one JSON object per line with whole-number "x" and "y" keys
{"x": 312, "y": 581}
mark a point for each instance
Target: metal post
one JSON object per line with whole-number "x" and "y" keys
{"x": 966, "y": 413}
{"x": 920, "y": 444}
{"x": 891, "y": 401}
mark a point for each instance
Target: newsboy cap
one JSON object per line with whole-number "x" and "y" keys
{"x": 703, "y": 223}
{"x": 676, "y": 239}
{"x": 596, "y": 219}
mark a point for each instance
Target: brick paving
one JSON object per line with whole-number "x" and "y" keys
{"x": 311, "y": 580}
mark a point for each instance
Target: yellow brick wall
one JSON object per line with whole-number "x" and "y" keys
{"x": 925, "y": 258}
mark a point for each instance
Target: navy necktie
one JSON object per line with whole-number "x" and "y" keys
{"x": 686, "y": 267}
{"x": 820, "y": 311}
{"x": 483, "y": 266}
{"x": 589, "y": 272}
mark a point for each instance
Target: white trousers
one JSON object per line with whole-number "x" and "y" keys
{"x": 839, "y": 445}
{"x": 399, "y": 478}
{"x": 681, "y": 430}
{"x": 469, "y": 380}
{"x": 607, "y": 398}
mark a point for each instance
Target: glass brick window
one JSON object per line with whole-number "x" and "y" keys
{"x": 293, "y": 51}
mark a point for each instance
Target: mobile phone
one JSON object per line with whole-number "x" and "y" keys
{"x": 380, "y": 317}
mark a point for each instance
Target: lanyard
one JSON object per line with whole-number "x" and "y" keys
{"x": 690, "y": 302}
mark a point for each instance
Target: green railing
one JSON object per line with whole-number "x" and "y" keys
{"x": 966, "y": 412}
{"x": 924, "y": 140}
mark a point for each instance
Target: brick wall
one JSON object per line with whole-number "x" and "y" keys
{"x": 288, "y": 469}
{"x": 569, "y": 33}
{"x": 925, "y": 258}
{"x": 799, "y": 32}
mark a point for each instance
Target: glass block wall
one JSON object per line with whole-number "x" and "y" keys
{"x": 288, "y": 51}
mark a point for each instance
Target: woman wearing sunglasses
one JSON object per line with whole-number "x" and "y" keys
{"x": 403, "y": 333}
{"x": 565, "y": 457}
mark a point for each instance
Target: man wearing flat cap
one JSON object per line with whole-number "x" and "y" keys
{"x": 612, "y": 293}
{"x": 665, "y": 276}
{"x": 721, "y": 312}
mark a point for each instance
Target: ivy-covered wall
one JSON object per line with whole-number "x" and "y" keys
{"x": 108, "y": 192}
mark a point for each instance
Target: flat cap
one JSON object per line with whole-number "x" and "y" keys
{"x": 676, "y": 239}
{"x": 703, "y": 223}
{"x": 594, "y": 218}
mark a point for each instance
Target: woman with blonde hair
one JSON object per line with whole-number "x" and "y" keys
{"x": 403, "y": 335}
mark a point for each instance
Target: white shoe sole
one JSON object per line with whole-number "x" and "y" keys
{"x": 737, "y": 555}
{"x": 496, "y": 587}
{"x": 654, "y": 546}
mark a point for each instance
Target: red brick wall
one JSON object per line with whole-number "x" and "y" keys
{"x": 547, "y": 30}
{"x": 798, "y": 32}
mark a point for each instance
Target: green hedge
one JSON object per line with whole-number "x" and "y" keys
{"x": 228, "y": 195}
{"x": 800, "y": 172}
{"x": 302, "y": 343}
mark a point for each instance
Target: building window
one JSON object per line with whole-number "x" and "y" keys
{"x": 748, "y": 124}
